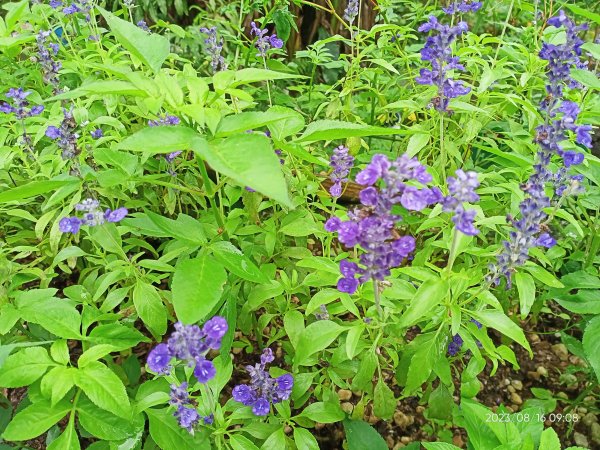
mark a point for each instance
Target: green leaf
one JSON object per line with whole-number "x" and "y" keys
{"x": 440, "y": 403}
{"x": 107, "y": 237}
{"x": 167, "y": 433}
{"x": 430, "y": 294}
{"x": 239, "y": 442}
{"x": 105, "y": 425}
{"x": 251, "y": 120}
{"x": 104, "y": 388}
{"x": 416, "y": 143}
{"x": 155, "y": 140}
{"x": 252, "y": 75}
{"x": 197, "y": 287}
{"x": 526, "y": 289}
{"x": 24, "y": 367}
{"x": 150, "y": 308}
{"x": 362, "y": 436}
{"x": 304, "y": 439}
{"x": 57, "y": 382}
{"x": 314, "y": 338}
{"x": 439, "y": 446}
{"x": 151, "y": 48}
{"x": 35, "y": 420}
{"x": 185, "y": 228}
{"x": 101, "y": 87}
{"x": 248, "y": 159}
{"x": 384, "y": 401}
{"x": 549, "y": 440}
{"x": 584, "y": 13}
{"x": 276, "y": 441}
{"x": 119, "y": 336}
{"x": 586, "y": 78}
{"x": 499, "y": 321}
{"x": 34, "y": 189}
{"x": 543, "y": 275}
{"x": 328, "y": 130}
{"x": 68, "y": 440}
{"x": 591, "y": 344}
{"x": 58, "y": 316}
{"x": 291, "y": 123}
{"x": 236, "y": 262}
{"x": 422, "y": 362}
{"x": 323, "y": 412}
{"x": 94, "y": 354}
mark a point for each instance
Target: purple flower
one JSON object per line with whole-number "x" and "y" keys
{"x": 463, "y": 6}
{"x": 55, "y": 4}
{"x": 477, "y": 323}
{"x": 455, "y": 345}
{"x": 187, "y": 417}
{"x": 341, "y": 162}
{"x": 171, "y": 156}
{"x": 464, "y": 221}
{"x": 144, "y": 26}
{"x": 166, "y": 120}
{"x": 65, "y": 135}
{"x": 20, "y": 106}
{"x": 263, "y": 389}
{"x": 214, "y": 47}
{"x": 97, "y": 133}
{"x": 71, "y": 9}
{"x": 159, "y": 358}
{"x": 204, "y": 371}
{"x": 46, "y": 53}
{"x": 69, "y": 225}
{"x": 372, "y": 227}
{"x": 115, "y": 216}
{"x": 215, "y": 328}
{"x": 263, "y": 42}
{"x": 545, "y": 240}
{"x": 438, "y": 51}
{"x": 351, "y": 11}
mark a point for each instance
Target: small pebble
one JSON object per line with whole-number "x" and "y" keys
{"x": 533, "y": 376}
{"x": 405, "y": 440}
{"x": 420, "y": 409}
{"x": 581, "y": 440}
{"x": 561, "y": 351}
{"x": 516, "y": 398}
{"x": 595, "y": 432}
{"x": 533, "y": 338}
{"x": 344, "y": 395}
{"x": 402, "y": 420}
{"x": 347, "y": 407}
{"x": 512, "y": 389}
{"x": 518, "y": 384}
{"x": 589, "y": 419}
{"x": 562, "y": 395}
{"x": 542, "y": 371}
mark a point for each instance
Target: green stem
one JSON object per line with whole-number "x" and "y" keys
{"x": 512, "y": 2}
{"x": 453, "y": 250}
{"x": 268, "y": 83}
{"x": 442, "y": 147}
{"x": 211, "y": 197}
{"x": 377, "y": 296}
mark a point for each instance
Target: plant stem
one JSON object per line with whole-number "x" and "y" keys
{"x": 453, "y": 250}
{"x": 268, "y": 82}
{"x": 512, "y": 2}
{"x": 377, "y": 296}
{"x": 211, "y": 197}
{"x": 442, "y": 147}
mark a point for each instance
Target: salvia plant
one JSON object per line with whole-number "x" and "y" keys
{"x": 299, "y": 225}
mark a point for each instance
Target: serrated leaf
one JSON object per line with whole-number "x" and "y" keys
{"x": 384, "y": 401}
{"x": 431, "y": 293}
{"x": 24, "y": 367}
{"x": 323, "y": 412}
{"x": 328, "y": 130}
{"x": 150, "y": 308}
{"x": 167, "y": 433}
{"x": 197, "y": 287}
{"x": 362, "y": 436}
{"x": 314, "y": 338}
{"x": 236, "y": 262}
{"x": 526, "y": 289}
{"x": 104, "y": 388}
{"x": 499, "y": 321}
{"x": 591, "y": 344}
{"x": 35, "y": 420}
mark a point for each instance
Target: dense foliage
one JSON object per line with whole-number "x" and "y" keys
{"x": 241, "y": 232}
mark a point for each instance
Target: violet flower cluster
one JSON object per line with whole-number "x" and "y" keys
{"x": 438, "y": 52}
{"x": 263, "y": 42}
{"x": 46, "y": 53}
{"x": 456, "y": 343}
{"x": 20, "y": 105}
{"x": 462, "y": 189}
{"x": 74, "y": 7}
{"x": 351, "y": 11}
{"x": 214, "y": 47}
{"x": 372, "y": 227}
{"x": 92, "y": 216}
{"x": 143, "y": 25}
{"x": 561, "y": 116}
{"x": 167, "y": 120}
{"x": 65, "y": 135}
{"x": 462, "y": 7}
{"x": 263, "y": 390}
{"x": 341, "y": 162}
{"x": 189, "y": 344}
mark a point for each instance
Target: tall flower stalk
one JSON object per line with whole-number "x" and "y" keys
{"x": 560, "y": 122}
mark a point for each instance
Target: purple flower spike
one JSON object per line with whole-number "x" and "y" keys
{"x": 560, "y": 123}
{"x": 462, "y": 7}
{"x": 97, "y": 133}
{"x": 263, "y": 42}
{"x": 455, "y": 345}
{"x": 214, "y": 47}
{"x": 263, "y": 390}
{"x": 341, "y": 162}
{"x": 462, "y": 189}
{"x": 216, "y": 327}
{"x": 351, "y": 11}
{"x": 438, "y": 51}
